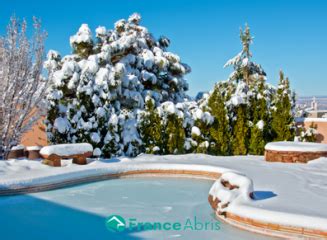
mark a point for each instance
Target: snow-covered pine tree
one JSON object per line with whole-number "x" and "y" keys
{"x": 173, "y": 137}
{"x": 151, "y": 129}
{"x": 244, "y": 69}
{"x": 243, "y": 97}
{"x": 96, "y": 93}
{"x": 282, "y": 114}
{"x": 219, "y": 130}
{"x": 112, "y": 145}
{"x": 200, "y": 133}
{"x": 197, "y": 122}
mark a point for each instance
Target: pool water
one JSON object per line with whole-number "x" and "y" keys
{"x": 80, "y": 212}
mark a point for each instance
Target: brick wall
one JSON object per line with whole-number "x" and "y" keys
{"x": 292, "y": 157}
{"x": 36, "y": 136}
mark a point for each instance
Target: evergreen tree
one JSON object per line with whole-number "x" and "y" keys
{"x": 82, "y": 42}
{"x": 112, "y": 146}
{"x": 175, "y": 135}
{"x": 151, "y": 128}
{"x": 219, "y": 130}
{"x": 260, "y": 121}
{"x": 245, "y": 101}
{"x": 109, "y": 78}
{"x": 282, "y": 118}
{"x": 244, "y": 69}
{"x": 200, "y": 134}
{"x": 240, "y": 132}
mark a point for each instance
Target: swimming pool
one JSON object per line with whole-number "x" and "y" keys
{"x": 80, "y": 212}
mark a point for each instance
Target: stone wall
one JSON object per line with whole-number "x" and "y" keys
{"x": 292, "y": 157}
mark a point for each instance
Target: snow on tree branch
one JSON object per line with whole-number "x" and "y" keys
{"x": 21, "y": 84}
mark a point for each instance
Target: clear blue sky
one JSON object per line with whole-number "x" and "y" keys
{"x": 289, "y": 34}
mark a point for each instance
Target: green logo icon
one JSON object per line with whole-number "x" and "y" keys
{"x": 115, "y": 223}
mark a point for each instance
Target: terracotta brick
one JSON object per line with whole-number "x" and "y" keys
{"x": 291, "y": 229}
{"x": 259, "y": 224}
{"x": 273, "y": 226}
{"x": 16, "y": 153}
{"x": 80, "y": 159}
{"x": 33, "y": 154}
{"x": 52, "y": 162}
{"x": 248, "y": 221}
{"x": 292, "y": 157}
{"x": 295, "y": 158}
{"x": 314, "y": 232}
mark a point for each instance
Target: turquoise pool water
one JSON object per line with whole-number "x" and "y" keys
{"x": 80, "y": 212}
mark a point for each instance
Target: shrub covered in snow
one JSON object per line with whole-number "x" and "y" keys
{"x": 307, "y": 135}
{"x": 98, "y": 92}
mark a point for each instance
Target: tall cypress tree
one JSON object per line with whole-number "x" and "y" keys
{"x": 259, "y": 129}
{"x": 282, "y": 117}
{"x": 175, "y": 135}
{"x": 219, "y": 130}
{"x": 240, "y": 131}
{"x": 151, "y": 128}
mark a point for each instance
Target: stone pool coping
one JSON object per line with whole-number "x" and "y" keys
{"x": 206, "y": 171}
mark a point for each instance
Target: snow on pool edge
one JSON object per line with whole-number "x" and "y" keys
{"x": 48, "y": 175}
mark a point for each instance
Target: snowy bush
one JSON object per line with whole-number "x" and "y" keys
{"x": 307, "y": 134}
{"x": 98, "y": 93}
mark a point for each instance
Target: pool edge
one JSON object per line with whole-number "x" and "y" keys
{"x": 247, "y": 224}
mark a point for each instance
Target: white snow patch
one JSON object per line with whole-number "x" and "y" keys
{"x": 196, "y": 131}
{"x": 297, "y": 146}
{"x": 18, "y": 147}
{"x": 33, "y": 148}
{"x": 97, "y": 152}
{"x": 67, "y": 149}
{"x": 61, "y": 124}
{"x": 260, "y": 124}
{"x": 83, "y": 35}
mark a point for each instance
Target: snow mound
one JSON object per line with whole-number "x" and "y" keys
{"x": 33, "y": 148}
{"x": 67, "y": 149}
{"x": 229, "y": 189}
{"x": 296, "y": 146}
{"x": 18, "y": 147}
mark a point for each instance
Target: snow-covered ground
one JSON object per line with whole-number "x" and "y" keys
{"x": 292, "y": 193}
